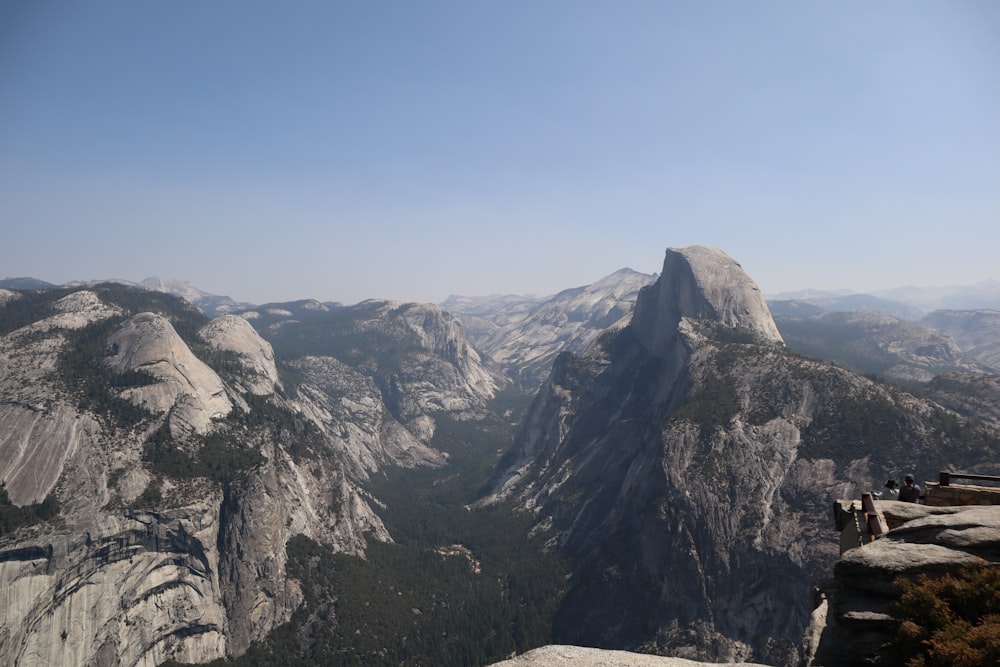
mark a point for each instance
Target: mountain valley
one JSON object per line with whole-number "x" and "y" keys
{"x": 645, "y": 463}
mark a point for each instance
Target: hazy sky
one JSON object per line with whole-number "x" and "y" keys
{"x": 413, "y": 149}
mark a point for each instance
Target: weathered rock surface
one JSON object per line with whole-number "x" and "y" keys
{"x": 977, "y": 332}
{"x": 199, "y": 573}
{"x": 687, "y": 464}
{"x": 348, "y": 405}
{"x": 852, "y": 624}
{"x": 578, "y": 656}
{"x": 130, "y": 589}
{"x": 868, "y": 341}
{"x": 7, "y": 295}
{"x": 187, "y": 388}
{"x": 524, "y": 335}
{"x": 234, "y": 334}
{"x": 700, "y": 283}
{"x": 440, "y": 372}
{"x": 76, "y": 311}
{"x": 212, "y": 305}
{"x": 202, "y": 574}
{"x": 40, "y": 430}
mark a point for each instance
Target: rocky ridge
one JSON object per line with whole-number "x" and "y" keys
{"x": 339, "y": 410}
{"x": 524, "y": 335}
{"x": 973, "y": 394}
{"x": 183, "y": 466}
{"x": 977, "y": 333}
{"x": 868, "y": 341}
{"x": 687, "y": 461}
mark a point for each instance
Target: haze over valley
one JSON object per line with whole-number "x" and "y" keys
{"x": 391, "y": 481}
{"x": 519, "y": 333}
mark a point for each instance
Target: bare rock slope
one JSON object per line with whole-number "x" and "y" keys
{"x": 181, "y": 466}
{"x": 687, "y": 462}
{"x": 524, "y": 335}
{"x": 577, "y": 656}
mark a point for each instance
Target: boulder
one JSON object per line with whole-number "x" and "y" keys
{"x": 851, "y": 624}
{"x": 578, "y": 656}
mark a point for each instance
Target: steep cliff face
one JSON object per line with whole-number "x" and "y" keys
{"x": 524, "y": 335}
{"x": 100, "y": 585}
{"x": 127, "y": 588}
{"x": 700, "y": 283}
{"x": 349, "y": 408}
{"x": 182, "y": 466}
{"x": 688, "y": 461}
{"x": 413, "y": 359}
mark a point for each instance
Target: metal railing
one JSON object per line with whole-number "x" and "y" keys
{"x": 944, "y": 478}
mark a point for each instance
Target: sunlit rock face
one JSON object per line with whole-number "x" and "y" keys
{"x": 700, "y": 283}
{"x": 977, "y": 332}
{"x": 145, "y": 562}
{"x": 523, "y": 335}
{"x": 132, "y": 589}
{"x": 852, "y": 624}
{"x": 103, "y": 584}
{"x": 234, "y": 334}
{"x": 76, "y": 311}
{"x": 348, "y": 405}
{"x": 688, "y": 462}
{"x": 579, "y": 656}
{"x": 413, "y": 359}
{"x": 186, "y": 387}
{"x": 41, "y": 431}
{"x": 445, "y": 373}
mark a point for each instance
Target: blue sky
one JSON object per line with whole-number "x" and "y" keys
{"x": 410, "y": 150}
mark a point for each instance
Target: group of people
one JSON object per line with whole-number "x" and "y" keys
{"x": 909, "y": 493}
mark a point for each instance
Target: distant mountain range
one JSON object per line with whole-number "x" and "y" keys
{"x": 524, "y": 335}
{"x": 908, "y": 303}
{"x": 646, "y": 463}
{"x": 212, "y": 305}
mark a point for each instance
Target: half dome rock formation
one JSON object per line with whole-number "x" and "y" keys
{"x": 687, "y": 462}
{"x": 185, "y": 386}
{"x": 700, "y": 283}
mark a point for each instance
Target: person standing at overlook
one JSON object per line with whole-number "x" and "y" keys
{"x": 910, "y": 493}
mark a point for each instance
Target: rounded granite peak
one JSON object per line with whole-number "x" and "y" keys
{"x": 701, "y": 283}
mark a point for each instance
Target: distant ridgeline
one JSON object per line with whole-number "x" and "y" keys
{"x": 307, "y": 483}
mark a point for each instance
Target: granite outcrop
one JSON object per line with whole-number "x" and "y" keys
{"x": 182, "y": 461}
{"x": 852, "y": 624}
{"x": 687, "y": 460}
